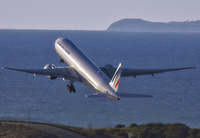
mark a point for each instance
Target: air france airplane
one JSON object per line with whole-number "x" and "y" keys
{"x": 103, "y": 80}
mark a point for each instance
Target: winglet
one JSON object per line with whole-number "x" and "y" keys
{"x": 114, "y": 83}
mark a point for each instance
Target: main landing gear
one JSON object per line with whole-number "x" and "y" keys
{"x": 70, "y": 87}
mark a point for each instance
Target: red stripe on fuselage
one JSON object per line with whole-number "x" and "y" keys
{"x": 117, "y": 83}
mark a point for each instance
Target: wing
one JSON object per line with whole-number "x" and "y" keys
{"x": 137, "y": 72}
{"x": 101, "y": 95}
{"x": 110, "y": 70}
{"x": 128, "y": 95}
{"x": 132, "y": 95}
{"x": 64, "y": 72}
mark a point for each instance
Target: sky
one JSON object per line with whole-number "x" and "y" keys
{"x": 91, "y": 14}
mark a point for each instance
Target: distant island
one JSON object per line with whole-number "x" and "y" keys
{"x": 139, "y": 25}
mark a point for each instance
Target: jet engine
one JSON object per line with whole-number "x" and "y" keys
{"x": 50, "y": 66}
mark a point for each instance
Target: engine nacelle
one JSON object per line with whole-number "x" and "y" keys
{"x": 50, "y": 66}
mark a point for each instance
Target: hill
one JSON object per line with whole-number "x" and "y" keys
{"x": 139, "y": 25}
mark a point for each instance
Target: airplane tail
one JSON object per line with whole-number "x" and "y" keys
{"x": 116, "y": 77}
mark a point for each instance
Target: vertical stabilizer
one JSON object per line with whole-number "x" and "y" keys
{"x": 114, "y": 83}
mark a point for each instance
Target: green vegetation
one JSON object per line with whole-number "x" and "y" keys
{"x": 120, "y": 126}
{"x": 20, "y": 131}
{"x": 133, "y": 125}
{"x": 158, "y": 130}
{"x": 151, "y": 130}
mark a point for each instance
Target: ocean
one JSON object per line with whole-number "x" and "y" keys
{"x": 176, "y": 95}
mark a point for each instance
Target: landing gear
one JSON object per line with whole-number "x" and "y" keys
{"x": 70, "y": 87}
{"x": 61, "y": 61}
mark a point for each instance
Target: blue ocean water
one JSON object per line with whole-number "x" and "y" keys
{"x": 176, "y": 94}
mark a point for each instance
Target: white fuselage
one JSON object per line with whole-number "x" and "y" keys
{"x": 74, "y": 57}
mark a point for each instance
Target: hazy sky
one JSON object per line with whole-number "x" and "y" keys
{"x": 91, "y": 14}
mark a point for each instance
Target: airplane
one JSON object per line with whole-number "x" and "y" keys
{"x": 103, "y": 80}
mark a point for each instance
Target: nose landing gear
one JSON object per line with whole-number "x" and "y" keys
{"x": 61, "y": 61}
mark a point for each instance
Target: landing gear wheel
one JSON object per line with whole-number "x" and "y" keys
{"x": 68, "y": 88}
{"x": 71, "y": 88}
{"x": 61, "y": 61}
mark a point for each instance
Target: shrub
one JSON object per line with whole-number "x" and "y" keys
{"x": 194, "y": 133}
{"x": 120, "y": 126}
{"x": 122, "y": 134}
{"x": 114, "y": 130}
{"x": 99, "y": 132}
{"x": 133, "y": 125}
{"x": 176, "y": 131}
{"x": 142, "y": 132}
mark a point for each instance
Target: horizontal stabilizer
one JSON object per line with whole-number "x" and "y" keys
{"x": 96, "y": 96}
{"x": 131, "y": 95}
